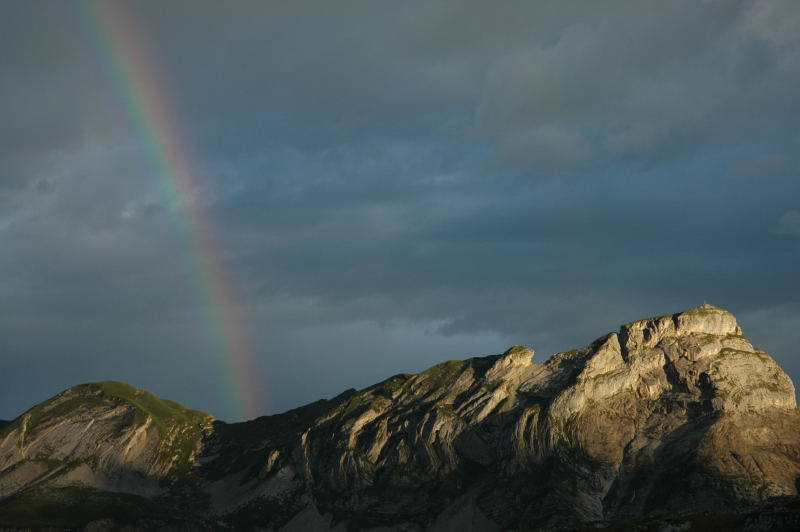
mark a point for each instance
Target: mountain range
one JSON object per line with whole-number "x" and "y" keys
{"x": 673, "y": 421}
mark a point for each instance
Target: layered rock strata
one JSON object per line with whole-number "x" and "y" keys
{"x": 673, "y": 414}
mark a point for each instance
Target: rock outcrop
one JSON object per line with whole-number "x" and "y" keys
{"x": 671, "y": 415}
{"x": 107, "y": 435}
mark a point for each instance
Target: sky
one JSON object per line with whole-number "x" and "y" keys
{"x": 247, "y": 206}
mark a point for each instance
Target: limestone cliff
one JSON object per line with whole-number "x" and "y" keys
{"x": 670, "y": 415}
{"x": 106, "y": 435}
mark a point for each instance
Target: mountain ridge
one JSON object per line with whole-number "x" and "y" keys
{"x": 670, "y": 415}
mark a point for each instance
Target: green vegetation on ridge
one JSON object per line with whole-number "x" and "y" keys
{"x": 179, "y": 428}
{"x": 164, "y": 413}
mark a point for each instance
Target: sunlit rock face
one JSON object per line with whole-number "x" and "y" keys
{"x": 107, "y": 435}
{"x": 675, "y": 414}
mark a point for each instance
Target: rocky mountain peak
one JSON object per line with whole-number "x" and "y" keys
{"x": 673, "y": 413}
{"x": 518, "y": 355}
{"x": 706, "y": 319}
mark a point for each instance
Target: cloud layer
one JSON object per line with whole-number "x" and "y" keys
{"x": 391, "y": 185}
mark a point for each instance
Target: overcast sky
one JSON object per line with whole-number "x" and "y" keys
{"x": 390, "y": 185}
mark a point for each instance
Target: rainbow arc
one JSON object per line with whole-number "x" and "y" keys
{"x": 143, "y": 94}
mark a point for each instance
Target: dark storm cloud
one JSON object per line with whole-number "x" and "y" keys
{"x": 392, "y": 184}
{"x": 645, "y": 81}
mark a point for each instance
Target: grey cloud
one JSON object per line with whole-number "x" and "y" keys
{"x": 789, "y": 223}
{"x": 630, "y": 81}
{"x": 390, "y": 184}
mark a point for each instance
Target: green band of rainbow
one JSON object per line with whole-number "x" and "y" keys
{"x": 146, "y": 101}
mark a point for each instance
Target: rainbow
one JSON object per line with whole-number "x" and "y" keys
{"x": 141, "y": 90}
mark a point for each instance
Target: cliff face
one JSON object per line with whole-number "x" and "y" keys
{"x": 106, "y": 435}
{"x": 671, "y": 414}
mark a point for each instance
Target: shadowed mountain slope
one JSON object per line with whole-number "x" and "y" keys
{"x": 671, "y": 415}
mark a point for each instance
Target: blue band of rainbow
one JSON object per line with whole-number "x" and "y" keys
{"x": 141, "y": 91}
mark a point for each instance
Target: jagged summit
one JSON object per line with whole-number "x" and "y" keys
{"x": 519, "y": 353}
{"x": 706, "y": 319}
{"x": 676, "y": 413}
